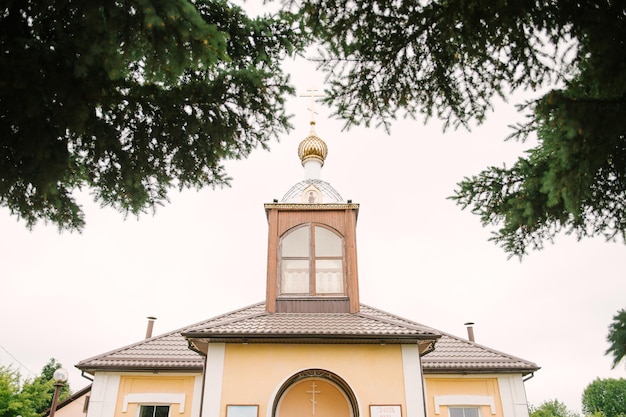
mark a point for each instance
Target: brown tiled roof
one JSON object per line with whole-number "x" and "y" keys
{"x": 167, "y": 352}
{"x": 453, "y": 354}
{"x": 171, "y": 352}
{"x": 368, "y": 325}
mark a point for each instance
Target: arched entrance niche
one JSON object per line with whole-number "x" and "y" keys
{"x": 315, "y": 393}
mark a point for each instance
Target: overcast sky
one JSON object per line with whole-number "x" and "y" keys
{"x": 73, "y": 296}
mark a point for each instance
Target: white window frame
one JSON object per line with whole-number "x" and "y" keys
{"x": 464, "y": 409}
{"x": 169, "y": 408}
{"x": 315, "y": 274}
{"x": 157, "y": 398}
{"x": 462, "y": 400}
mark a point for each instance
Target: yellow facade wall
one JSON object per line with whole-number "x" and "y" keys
{"x": 155, "y": 384}
{"x": 461, "y": 387}
{"x": 253, "y": 373}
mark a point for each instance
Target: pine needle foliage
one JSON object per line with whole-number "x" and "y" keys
{"x": 617, "y": 338}
{"x": 451, "y": 58}
{"x": 131, "y": 98}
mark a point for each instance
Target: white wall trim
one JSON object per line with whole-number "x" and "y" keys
{"x": 196, "y": 399}
{"x": 213, "y": 376}
{"x": 103, "y": 394}
{"x": 154, "y": 398}
{"x": 513, "y": 394}
{"x": 448, "y": 400}
{"x": 413, "y": 382}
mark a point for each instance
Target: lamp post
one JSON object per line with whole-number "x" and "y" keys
{"x": 60, "y": 377}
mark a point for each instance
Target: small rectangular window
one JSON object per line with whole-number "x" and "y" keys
{"x": 154, "y": 411}
{"x": 464, "y": 412}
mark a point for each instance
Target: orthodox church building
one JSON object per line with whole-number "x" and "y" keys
{"x": 311, "y": 348}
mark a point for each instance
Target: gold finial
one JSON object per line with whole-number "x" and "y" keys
{"x": 312, "y": 147}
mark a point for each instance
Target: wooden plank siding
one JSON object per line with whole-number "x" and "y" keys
{"x": 340, "y": 217}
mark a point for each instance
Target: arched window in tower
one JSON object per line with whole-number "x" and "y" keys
{"x": 311, "y": 262}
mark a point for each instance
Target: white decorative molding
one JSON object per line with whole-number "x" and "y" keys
{"x": 413, "y": 381}
{"x": 214, "y": 371}
{"x": 155, "y": 398}
{"x": 449, "y": 400}
{"x": 104, "y": 395}
{"x": 513, "y": 396}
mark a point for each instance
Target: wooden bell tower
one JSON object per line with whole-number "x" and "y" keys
{"x": 312, "y": 257}
{"x": 319, "y": 287}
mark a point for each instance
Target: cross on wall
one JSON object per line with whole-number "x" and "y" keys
{"x": 313, "y": 391}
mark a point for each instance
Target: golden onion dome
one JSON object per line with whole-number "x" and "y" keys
{"x": 312, "y": 148}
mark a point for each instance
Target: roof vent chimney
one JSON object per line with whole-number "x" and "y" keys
{"x": 470, "y": 331}
{"x": 150, "y": 326}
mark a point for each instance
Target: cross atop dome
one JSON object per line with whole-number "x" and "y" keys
{"x": 312, "y": 93}
{"x": 312, "y": 152}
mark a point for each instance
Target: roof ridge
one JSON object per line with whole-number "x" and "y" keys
{"x": 399, "y": 318}
{"x": 163, "y": 335}
{"x": 219, "y": 318}
{"x": 404, "y": 323}
{"x": 495, "y": 351}
{"x": 427, "y": 357}
{"x": 226, "y": 322}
